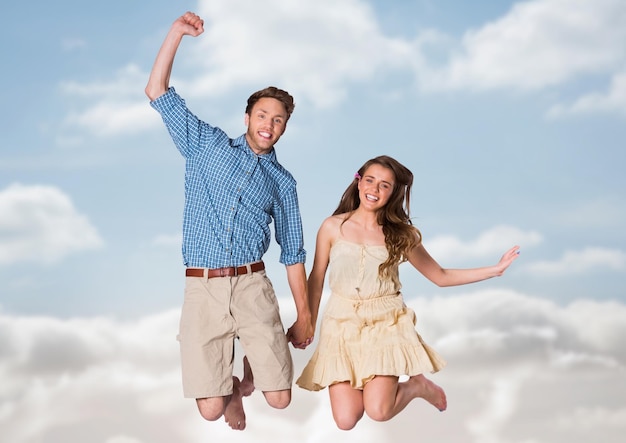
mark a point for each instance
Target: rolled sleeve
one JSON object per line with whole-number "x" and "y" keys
{"x": 288, "y": 225}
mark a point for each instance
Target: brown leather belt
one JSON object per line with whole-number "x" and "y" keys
{"x": 224, "y": 272}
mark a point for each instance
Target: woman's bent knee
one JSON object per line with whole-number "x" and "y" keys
{"x": 346, "y": 422}
{"x": 378, "y": 413}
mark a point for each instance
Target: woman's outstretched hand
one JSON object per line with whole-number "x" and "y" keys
{"x": 506, "y": 260}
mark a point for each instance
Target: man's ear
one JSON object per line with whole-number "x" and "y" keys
{"x": 246, "y": 119}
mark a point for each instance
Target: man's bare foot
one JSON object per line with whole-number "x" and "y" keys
{"x": 247, "y": 383}
{"x": 429, "y": 391}
{"x": 234, "y": 414}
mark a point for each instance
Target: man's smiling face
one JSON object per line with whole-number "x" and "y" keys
{"x": 266, "y": 123}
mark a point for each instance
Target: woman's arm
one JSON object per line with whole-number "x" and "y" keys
{"x": 424, "y": 263}
{"x": 323, "y": 243}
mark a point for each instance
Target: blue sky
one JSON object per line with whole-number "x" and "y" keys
{"x": 510, "y": 114}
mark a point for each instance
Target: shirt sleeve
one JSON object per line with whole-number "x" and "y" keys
{"x": 288, "y": 228}
{"x": 184, "y": 127}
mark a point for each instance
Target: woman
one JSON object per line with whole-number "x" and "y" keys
{"x": 368, "y": 338}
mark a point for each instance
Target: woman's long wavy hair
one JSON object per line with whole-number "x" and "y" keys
{"x": 400, "y": 234}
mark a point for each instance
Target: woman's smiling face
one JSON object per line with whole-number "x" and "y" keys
{"x": 376, "y": 186}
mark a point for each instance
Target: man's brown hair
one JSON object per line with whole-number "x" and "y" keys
{"x": 272, "y": 92}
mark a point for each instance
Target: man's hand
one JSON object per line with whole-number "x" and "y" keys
{"x": 301, "y": 334}
{"x": 190, "y": 24}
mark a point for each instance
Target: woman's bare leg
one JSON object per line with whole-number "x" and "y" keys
{"x": 346, "y": 404}
{"x": 384, "y": 397}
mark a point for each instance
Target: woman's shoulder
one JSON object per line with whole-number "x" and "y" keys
{"x": 331, "y": 223}
{"x": 338, "y": 219}
{"x": 331, "y": 227}
{"x": 334, "y": 222}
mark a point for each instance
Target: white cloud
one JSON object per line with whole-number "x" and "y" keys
{"x": 494, "y": 241}
{"x": 296, "y": 38}
{"x": 500, "y": 408}
{"x": 586, "y": 419}
{"x": 575, "y": 262}
{"x": 125, "y": 83}
{"x": 603, "y": 325}
{"x": 41, "y": 224}
{"x": 613, "y": 101}
{"x": 102, "y": 380}
{"x": 114, "y": 118}
{"x": 317, "y": 50}
{"x": 122, "y": 439}
{"x": 537, "y": 44}
{"x": 576, "y": 359}
{"x": 85, "y": 376}
{"x": 120, "y": 106}
{"x": 510, "y": 348}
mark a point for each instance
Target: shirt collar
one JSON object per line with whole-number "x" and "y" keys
{"x": 242, "y": 143}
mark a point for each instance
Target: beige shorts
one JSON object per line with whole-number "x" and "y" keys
{"x": 214, "y": 313}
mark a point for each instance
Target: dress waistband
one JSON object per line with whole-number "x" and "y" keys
{"x": 361, "y": 299}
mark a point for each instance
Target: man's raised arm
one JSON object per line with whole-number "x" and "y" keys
{"x": 158, "y": 83}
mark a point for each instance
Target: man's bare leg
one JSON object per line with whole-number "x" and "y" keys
{"x": 278, "y": 399}
{"x": 234, "y": 414}
{"x": 247, "y": 383}
{"x": 212, "y": 408}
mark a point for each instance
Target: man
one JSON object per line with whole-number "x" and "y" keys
{"x": 234, "y": 188}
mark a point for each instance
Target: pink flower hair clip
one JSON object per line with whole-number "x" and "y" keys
{"x": 357, "y": 176}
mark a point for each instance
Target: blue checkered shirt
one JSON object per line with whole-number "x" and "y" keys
{"x": 231, "y": 194}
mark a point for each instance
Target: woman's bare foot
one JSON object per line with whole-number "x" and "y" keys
{"x": 234, "y": 414}
{"x": 247, "y": 383}
{"x": 429, "y": 391}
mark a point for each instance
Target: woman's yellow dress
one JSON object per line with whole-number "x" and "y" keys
{"x": 366, "y": 329}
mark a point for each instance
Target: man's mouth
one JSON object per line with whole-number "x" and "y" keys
{"x": 266, "y": 135}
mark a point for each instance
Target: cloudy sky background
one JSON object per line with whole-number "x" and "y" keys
{"x": 510, "y": 114}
